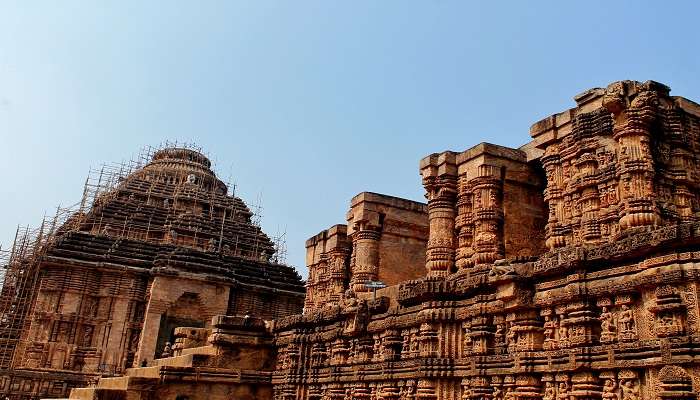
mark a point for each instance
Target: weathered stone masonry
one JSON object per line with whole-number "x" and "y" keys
{"x": 566, "y": 269}
{"x": 165, "y": 247}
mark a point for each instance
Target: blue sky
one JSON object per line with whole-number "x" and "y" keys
{"x": 306, "y": 102}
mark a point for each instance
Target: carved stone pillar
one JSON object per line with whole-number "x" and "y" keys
{"x": 589, "y": 201}
{"x": 581, "y": 323}
{"x": 321, "y": 293}
{"x": 551, "y": 326}
{"x": 634, "y": 108}
{"x": 428, "y": 340}
{"x": 626, "y": 321}
{"x": 525, "y": 333}
{"x": 487, "y": 189}
{"x": 481, "y": 333}
{"x": 683, "y": 198}
{"x": 426, "y": 390}
{"x": 311, "y": 284}
{"x": 338, "y": 274}
{"x": 585, "y": 386}
{"x": 292, "y": 357}
{"x": 608, "y": 321}
{"x": 562, "y": 329}
{"x": 480, "y": 388}
{"x": 464, "y": 225}
{"x": 363, "y": 350}
{"x": 553, "y": 195}
{"x": 499, "y": 344}
{"x": 391, "y": 345}
{"x": 527, "y": 387}
{"x": 318, "y": 355}
{"x": 440, "y": 181}
{"x": 389, "y": 391}
{"x": 340, "y": 351}
{"x": 365, "y": 241}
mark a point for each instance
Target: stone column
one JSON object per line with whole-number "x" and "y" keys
{"x": 464, "y": 224}
{"x": 481, "y": 334}
{"x": 480, "y": 388}
{"x": 585, "y": 386}
{"x": 429, "y": 340}
{"x": 589, "y": 200}
{"x": 439, "y": 173}
{"x": 527, "y": 387}
{"x": 634, "y": 108}
{"x": 338, "y": 274}
{"x": 365, "y": 242}
{"x": 580, "y": 323}
{"x": 426, "y": 390}
{"x": 553, "y": 195}
{"x": 391, "y": 345}
{"x": 149, "y": 336}
{"x": 488, "y": 214}
{"x": 309, "y": 299}
{"x": 389, "y": 391}
{"x": 524, "y": 330}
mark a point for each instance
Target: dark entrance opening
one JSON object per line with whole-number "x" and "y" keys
{"x": 166, "y": 332}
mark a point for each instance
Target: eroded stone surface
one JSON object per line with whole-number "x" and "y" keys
{"x": 167, "y": 247}
{"x": 565, "y": 269}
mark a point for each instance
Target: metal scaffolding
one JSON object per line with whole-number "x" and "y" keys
{"x": 20, "y": 263}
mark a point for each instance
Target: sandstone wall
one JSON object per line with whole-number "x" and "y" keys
{"x": 566, "y": 269}
{"x": 389, "y": 238}
{"x": 384, "y": 240}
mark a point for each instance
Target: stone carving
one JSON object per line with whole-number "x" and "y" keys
{"x": 501, "y": 269}
{"x": 676, "y": 383}
{"x": 612, "y": 193}
{"x": 608, "y": 326}
{"x": 561, "y": 270}
{"x": 167, "y": 351}
{"x": 550, "y": 392}
{"x": 669, "y": 312}
{"x": 627, "y": 327}
{"x": 610, "y": 387}
{"x": 128, "y": 252}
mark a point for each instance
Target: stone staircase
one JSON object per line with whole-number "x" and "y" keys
{"x": 237, "y": 363}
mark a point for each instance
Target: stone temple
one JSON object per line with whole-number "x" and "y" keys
{"x": 566, "y": 269}
{"x": 162, "y": 247}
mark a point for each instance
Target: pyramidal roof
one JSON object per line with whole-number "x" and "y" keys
{"x": 174, "y": 214}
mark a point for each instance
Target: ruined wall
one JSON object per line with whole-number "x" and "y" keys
{"x": 389, "y": 238}
{"x": 232, "y": 359}
{"x": 567, "y": 269}
{"x": 384, "y": 240}
{"x": 484, "y": 204}
{"x": 328, "y": 261}
{"x": 162, "y": 247}
{"x": 84, "y": 320}
{"x": 625, "y": 158}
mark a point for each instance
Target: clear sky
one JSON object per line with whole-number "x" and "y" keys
{"x": 306, "y": 102}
